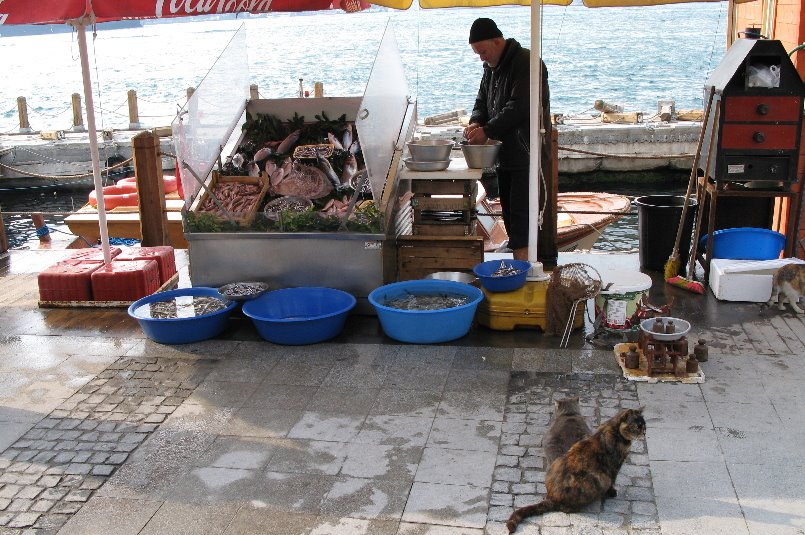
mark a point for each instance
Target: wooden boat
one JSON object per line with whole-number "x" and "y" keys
{"x": 581, "y": 218}
{"x": 124, "y": 222}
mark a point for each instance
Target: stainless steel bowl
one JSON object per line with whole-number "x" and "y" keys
{"x": 415, "y": 165}
{"x": 456, "y": 276}
{"x": 480, "y": 156}
{"x": 430, "y": 150}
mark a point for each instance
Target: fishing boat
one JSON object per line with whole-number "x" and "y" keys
{"x": 581, "y": 218}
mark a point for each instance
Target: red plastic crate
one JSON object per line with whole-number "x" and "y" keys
{"x": 91, "y": 253}
{"x": 163, "y": 254}
{"x": 70, "y": 280}
{"x": 125, "y": 281}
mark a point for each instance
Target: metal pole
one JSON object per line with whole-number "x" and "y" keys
{"x": 535, "y": 144}
{"x": 93, "y": 137}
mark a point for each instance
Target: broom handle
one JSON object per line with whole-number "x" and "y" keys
{"x": 693, "y": 173}
{"x": 700, "y": 211}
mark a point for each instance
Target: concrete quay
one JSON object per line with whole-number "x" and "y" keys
{"x": 103, "y": 431}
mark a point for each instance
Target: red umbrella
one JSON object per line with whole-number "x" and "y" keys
{"x": 80, "y": 13}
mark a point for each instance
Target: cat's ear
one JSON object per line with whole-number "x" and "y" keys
{"x": 639, "y": 410}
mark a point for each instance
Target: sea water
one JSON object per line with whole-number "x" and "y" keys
{"x": 632, "y": 56}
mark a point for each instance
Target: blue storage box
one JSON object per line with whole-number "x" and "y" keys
{"x": 745, "y": 243}
{"x": 425, "y": 326}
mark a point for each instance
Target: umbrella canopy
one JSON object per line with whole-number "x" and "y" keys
{"x": 80, "y": 13}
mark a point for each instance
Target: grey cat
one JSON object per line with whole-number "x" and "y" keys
{"x": 788, "y": 282}
{"x": 568, "y": 426}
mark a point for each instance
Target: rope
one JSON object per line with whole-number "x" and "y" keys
{"x": 82, "y": 175}
{"x": 633, "y": 156}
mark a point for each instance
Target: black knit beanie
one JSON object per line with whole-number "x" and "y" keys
{"x": 483, "y": 29}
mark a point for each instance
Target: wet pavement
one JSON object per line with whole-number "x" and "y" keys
{"x": 102, "y": 430}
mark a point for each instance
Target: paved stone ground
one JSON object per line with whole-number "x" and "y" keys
{"x": 58, "y": 465}
{"x": 55, "y": 467}
{"x": 520, "y": 472}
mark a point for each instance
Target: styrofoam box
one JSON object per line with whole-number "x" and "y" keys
{"x": 744, "y": 280}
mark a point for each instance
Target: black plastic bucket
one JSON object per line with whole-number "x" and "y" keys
{"x": 657, "y": 224}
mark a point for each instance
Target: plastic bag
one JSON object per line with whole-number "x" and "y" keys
{"x": 763, "y": 76}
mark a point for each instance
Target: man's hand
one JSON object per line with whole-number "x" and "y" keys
{"x": 475, "y": 134}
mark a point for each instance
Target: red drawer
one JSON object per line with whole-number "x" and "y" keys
{"x": 759, "y": 137}
{"x": 762, "y": 109}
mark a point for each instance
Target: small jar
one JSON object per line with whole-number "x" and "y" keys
{"x": 700, "y": 350}
{"x": 692, "y": 365}
{"x": 670, "y": 328}
{"x": 632, "y": 358}
{"x": 658, "y": 326}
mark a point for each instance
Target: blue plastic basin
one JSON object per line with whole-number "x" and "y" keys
{"x": 506, "y": 283}
{"x": 299, "y": 316}
{"x": 425, "y": 326}
{"x": 746, "y": 243}
{"x": 183, "y": 330}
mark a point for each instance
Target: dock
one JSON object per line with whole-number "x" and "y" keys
{"x": 104, "y": 431}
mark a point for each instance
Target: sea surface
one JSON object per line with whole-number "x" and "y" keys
{"x": 633, "y": 56}
{"x": 629, "y": 56}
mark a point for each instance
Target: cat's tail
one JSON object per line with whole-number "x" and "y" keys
{"x": 545, "y": 506}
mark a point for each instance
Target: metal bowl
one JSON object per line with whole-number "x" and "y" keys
{"x": 243, "y": 291}
{"x": 682, "y": 328}
{"x": 430, "y": 150}
{"x": 456, "y": 276}
{"x": 481, "y": 156}
{"x": 416, "y": 165}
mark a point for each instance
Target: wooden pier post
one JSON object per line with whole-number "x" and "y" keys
{"x": 254, "y": 94}
{"x": 22, "y": 111}
{"x": 134, "y": 114}
{"x": 3, "y": 237}
{"x": 78, "y": 117}
{"x": 151, "y": 190}
{"x": 42, "y": 231}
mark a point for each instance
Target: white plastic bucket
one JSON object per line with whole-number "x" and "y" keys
{"x": 617, "y": 301}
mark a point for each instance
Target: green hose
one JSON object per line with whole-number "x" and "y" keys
{"x": 798, "y": 47}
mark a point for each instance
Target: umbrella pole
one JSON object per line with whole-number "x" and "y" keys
{"x": 81, "y": 29}
{"x": 535, "y": 145}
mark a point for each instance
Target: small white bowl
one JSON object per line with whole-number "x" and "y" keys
{"x": 682, "y": 328}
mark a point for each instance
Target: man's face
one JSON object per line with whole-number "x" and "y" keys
{"x": 489, "y": 51}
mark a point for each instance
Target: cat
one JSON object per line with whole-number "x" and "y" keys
{"x": 587, "y": 472}
{"x": 567, "y": 427}
{"x": 788, "y": 281}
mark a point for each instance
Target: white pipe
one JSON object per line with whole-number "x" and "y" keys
{"x": 535, "y": 144}
{"x": 80, "y": 27}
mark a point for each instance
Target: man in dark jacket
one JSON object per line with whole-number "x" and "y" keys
{"x": 501, "y": 112}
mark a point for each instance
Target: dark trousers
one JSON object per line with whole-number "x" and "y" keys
{"x": 513, "y": 186}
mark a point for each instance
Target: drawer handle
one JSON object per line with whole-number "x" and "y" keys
{"x": 759, "y": 137}
{"x": 762, "y": 109}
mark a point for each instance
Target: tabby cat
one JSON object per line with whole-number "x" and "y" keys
{"x": 567, "y": 427}
{"x": 788, "y": 281}
{"x": 587, "y": 472}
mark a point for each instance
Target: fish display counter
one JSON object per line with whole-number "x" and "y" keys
{"x": 295, "y": 191}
